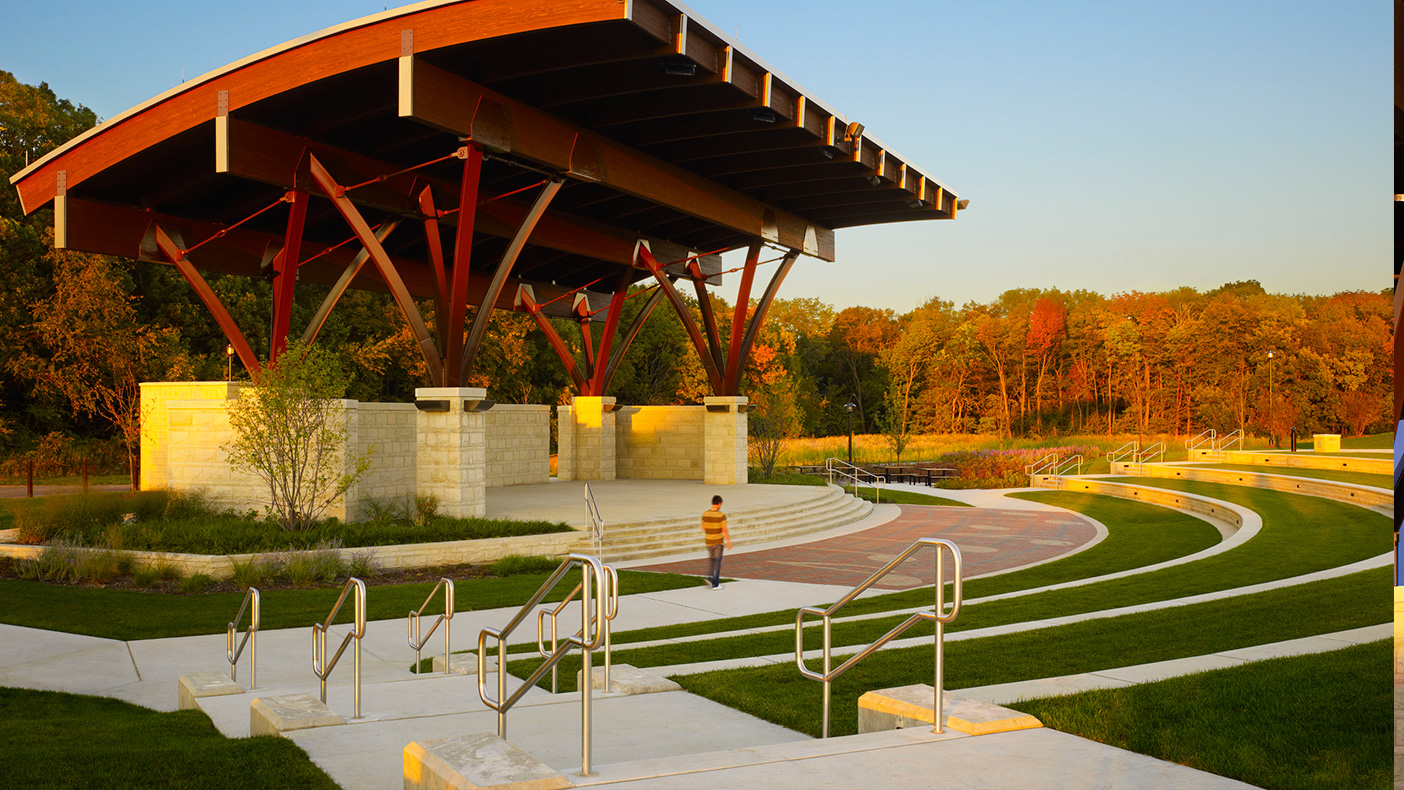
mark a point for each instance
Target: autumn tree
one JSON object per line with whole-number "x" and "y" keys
{"x": 88, "y": 347}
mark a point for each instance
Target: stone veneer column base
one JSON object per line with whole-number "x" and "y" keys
{"x": 452, "y": 457}
{"x": 585, "y": 439}
{"x": 724, "y": 441}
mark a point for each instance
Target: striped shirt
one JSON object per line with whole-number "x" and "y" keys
{"x": 713, "y": 522}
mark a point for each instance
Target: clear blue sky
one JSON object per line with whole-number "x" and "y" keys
{"x": 1109, "y": 146}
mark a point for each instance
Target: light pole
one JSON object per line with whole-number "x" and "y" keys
{"x": 1272, "y": 405}
{"x": 229, "y": 362}
{"x": 850, "y": 406}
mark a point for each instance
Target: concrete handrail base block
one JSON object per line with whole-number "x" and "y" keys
{"x": 464, "y": 663}
{"x": 910, "y": 706}
{"x": 277, "y": 715}
{"x": 479, "y": 760}
{"x": 627, "y": 679}
{"x": 203, "y": 684}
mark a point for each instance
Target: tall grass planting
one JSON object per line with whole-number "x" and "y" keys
{"x": 188, "y": 523}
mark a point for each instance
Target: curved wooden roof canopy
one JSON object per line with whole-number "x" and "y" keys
{"x": 583, "y": 127}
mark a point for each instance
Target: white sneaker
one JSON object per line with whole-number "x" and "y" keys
{"x": 718, "y": 587}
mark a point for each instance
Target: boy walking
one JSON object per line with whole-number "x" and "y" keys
{"x": 714, "y": 529}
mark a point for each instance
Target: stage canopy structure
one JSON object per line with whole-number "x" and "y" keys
{"x": 531, "y": 155}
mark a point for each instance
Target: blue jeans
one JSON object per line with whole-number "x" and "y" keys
{"x": 714, "y": 557}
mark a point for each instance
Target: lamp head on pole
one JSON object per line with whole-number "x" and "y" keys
{"x": 850, "y": 406}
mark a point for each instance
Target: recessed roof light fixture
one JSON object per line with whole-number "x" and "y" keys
{"x": 764, "y": 115}
{"x": 875, "y": 180}
{"x": 918, "y": 203}
{"x": 679, "y": 66}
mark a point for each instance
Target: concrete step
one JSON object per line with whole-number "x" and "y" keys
{"x": 635, "y": 543}
{"x": 742, "y": 529}
{"x": 827, "y": 499}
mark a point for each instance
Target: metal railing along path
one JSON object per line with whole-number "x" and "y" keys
{"x": 1127, "y": 450}
{"x": 1204, "y": 437}
{"x": 857, "y": 475}
{"x": 416, "y": 642}
{"x": 1156, "y": 450}
{"x": 1041, "y": 466}
{"x": 611, "y": 599}
{"x": 592, "y": 513}
{"x": 588, "y": 638}
{"x": 1068, "y": 463}
{"x": 1234, "y": 438}
{"x": 250, "y": 638}
{"x": 937, "y": 615}
{"x": 320, "y": 666}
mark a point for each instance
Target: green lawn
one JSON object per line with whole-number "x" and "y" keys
{"x": 779, "y": 694}
{"x": 55, "y": 740}
{"x": 1239, "y": 722}
{"x": 1339, "y": 476}
{"x": 1300, "y": 535}
{"x": 123, "y": 614}
{"x": 1139, "y": 534}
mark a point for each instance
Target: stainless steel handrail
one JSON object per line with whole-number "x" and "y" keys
{"x": 320, "y": 667}
{"x": 1234, "y": 438}
{"x": 857, "y": 474}
{"x": 611, "y": 598}
{"x": 588, "y": 638}
{"x": 1157, "y": 449}
{"x": 416, "y": 642}
{"x": 1041, "y": 465}
{"x": 1128, "y": 449}
{"x": 938, "y": 615}
{"x": 250, "y": 636}
{"x": 592, "y": 512}
{"x": 1062, "y": 468}
{"x": 1201, "y": 439}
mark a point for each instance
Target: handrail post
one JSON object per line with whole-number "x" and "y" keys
{"x": 320, "y": 667}
{"x": 587, "y": 677}
{"x": 234, "y": 648}
{"x": 828, "y": 681}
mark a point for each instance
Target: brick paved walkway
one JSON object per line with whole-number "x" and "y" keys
{"x": 989, "y": 540}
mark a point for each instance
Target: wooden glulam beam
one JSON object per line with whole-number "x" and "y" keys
{"x": 108, "y": 229}
{"x": 456, "y": 105}
{"x": 269, "y": 156}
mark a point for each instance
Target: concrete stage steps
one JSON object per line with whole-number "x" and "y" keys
{"x": 750, "y": 527}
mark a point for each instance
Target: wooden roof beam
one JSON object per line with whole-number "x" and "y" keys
{"x": 451, "y": 103}
{"x": 259, "y": 153}
{"x": 124, "y": 231}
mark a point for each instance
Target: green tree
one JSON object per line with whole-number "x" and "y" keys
{"x": 290, "y": 432}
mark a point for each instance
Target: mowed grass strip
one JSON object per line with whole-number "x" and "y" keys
{"x": 779, "y": 694}
{"x": 1338, "y": 476}
{"x": 125, "y": 614}
{"x": 1314, "y": 722}
{"x": 1300, "y": 535}
{"x": 57, "y": 740}
{"x": 1138, "y": 534}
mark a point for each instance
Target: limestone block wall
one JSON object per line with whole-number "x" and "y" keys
{"x": 1189, "y": 503}
{"x": 451, "y": 452}
{"x": 197, "y": 432}
{"x": 725, "y": 440}
{"x": 1365, "y": 496}
{"x": 585, "y": 442}
{"x": 155, "y": 426}
{"x": 518, "y": 438}
{"x": 659, "y": 442}
{"x": 410, "y": 555}
{"x": 387, "y": 431}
